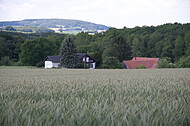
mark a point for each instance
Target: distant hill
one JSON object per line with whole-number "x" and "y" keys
{"x": 64, "y": 24}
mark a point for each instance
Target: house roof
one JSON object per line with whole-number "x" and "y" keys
{"x": 146, "y": 58}
{"x": 56, "y": 59}
{"x": 149, "y": 63}
{"x": 81, "y": 55}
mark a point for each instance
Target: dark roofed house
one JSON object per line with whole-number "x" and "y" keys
{"x": 54, "y": 61}
{"x": 149, "y": 63}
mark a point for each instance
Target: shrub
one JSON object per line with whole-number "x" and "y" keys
{"x": 141, "y": 67}
{"x": 40, "y": 64}
{"x": 184, "y": 62}
{"x": 111, "y": 62}
{"x": 17, "y": 63}
{"x": 166, "y": 63}
{"x": 5, "y": 61}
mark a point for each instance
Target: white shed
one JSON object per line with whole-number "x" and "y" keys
{"x": 52, "y": 61}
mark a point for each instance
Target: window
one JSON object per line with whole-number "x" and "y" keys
{"x": 87, "y": 59}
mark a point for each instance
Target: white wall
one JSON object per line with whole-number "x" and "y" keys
{"x": 48, "y": 64}
{"x": 92, "y": 65}
{"x": 56, "y": 65}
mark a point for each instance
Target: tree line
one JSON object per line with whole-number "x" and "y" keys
{"x": 27, "y": 29}
{"x": 170, "y": 42}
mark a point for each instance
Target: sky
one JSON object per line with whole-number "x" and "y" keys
{"x": 113, "y": 13}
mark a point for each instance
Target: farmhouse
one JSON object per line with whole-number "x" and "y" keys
{"x": 149, "y": 63}
{"x": 54, "y": 61}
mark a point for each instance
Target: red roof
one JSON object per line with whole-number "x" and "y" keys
{"x": 145, "y": 58}
{"x": 149, "y": 63}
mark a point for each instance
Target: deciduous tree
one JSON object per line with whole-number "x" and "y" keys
{"x": 34, "y": 51}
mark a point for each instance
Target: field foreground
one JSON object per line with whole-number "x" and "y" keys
{"x": 94, "y": 97}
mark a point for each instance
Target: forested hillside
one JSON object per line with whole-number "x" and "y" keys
{"x": 170, "y": 42}
{"x": 55, "y": 23}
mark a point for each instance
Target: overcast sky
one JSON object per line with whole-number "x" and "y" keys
{"x": 115, "y": 13}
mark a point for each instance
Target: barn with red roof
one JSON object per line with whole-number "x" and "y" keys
{"x": 149, "y": 63}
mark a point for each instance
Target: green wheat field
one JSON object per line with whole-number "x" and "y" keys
{"x": 68, "y": 97}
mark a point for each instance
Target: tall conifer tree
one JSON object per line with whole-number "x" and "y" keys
{"x": 69, "y": 57}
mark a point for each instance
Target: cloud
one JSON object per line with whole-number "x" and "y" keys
{"x": 117, "y": 13}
